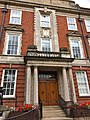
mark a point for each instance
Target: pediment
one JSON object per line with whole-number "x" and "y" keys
{"x": 14, "y": 28}
{"x": 74, "y": 33}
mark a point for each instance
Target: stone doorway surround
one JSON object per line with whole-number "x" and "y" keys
{"x": 65, "y": 84}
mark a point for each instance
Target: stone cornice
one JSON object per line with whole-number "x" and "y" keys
{"x": 28, "y": 58}
{"x": 11, "y": 59}
{"x": 73, "y": 10}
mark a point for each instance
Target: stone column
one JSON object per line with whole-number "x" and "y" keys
{"x": 28, "y": 85}
{"x": 60, "y": 82}
{"x": 66, "y": 89}
{"x": 35, "y": 85}
{"x": 72, "y": 86}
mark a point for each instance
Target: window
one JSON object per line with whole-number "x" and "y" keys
{"x": 45, "y": 21}
{"x": 46, "y": 45}
{"x": 9, "y": 82}
{"x": 82, "y": 83}
{"x": 89, "y": 41}
{"x": 71, "y": 23}
{"x": 13, "y": 44}
{"x": 76, "y": 50}
{"x": 87, "y": 23}
{"x": 15, "y": 17}
{"x": 47, "y": 76}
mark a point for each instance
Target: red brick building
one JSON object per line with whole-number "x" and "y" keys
{"x": 44, "y": 52}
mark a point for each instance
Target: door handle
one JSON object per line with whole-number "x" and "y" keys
{"x": 42, "y": 92}
{"x": 52, "y": 91}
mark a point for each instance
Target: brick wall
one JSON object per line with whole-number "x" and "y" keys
{"x": 20, "y": 84}
{"x": 81, "y": 99}
{"x": 28, "y": 34}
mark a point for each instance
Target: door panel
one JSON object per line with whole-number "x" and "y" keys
{"x": 48, "y": 92}
{"x": 43, "y": 92}
{"x": 53, "y": 94}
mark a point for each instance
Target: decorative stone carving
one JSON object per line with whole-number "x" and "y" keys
{"x": 45, "y": 32}
{"x": 52, "y": 32}
{"x": 14, "y": 28}
{"x": 74, "y": 33}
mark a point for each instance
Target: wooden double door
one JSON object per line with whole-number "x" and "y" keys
{"x": 48, "y": 92}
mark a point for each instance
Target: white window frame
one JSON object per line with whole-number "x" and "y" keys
{"x": 74, "y": 24}
{"x": 7, "y": 40}
{"x": 87, "y": 25}
{"x": 87, "y": 84}
{"x": 50, "y": 44}
{"x": 9, "y": 96}
{"x": 11, "y": 15}
{"x": 89, "y": 41}
{"x": 41, "y": 21}
{"x": 80, "y": 46}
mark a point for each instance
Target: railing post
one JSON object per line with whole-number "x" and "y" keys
{"x": 41, "y": 109}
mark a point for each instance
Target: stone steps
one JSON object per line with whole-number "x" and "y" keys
{"x": 1, "y": 118}
{"x": 54, "y": 113}
{"x": 57, "y": 118}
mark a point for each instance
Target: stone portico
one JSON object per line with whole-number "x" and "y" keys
{"x": 40, "y": 61}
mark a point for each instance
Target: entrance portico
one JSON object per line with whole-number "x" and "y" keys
{"x": 62, "y": 85}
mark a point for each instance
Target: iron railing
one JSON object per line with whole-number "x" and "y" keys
{"x": 65, "y": 105}
{"x": 40, "y": 108}
{"x": 29, "y": 115}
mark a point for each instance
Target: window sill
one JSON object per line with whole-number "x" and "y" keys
{"x": 81, "y": 96}
{"x": 15, "y": 24}
{"x": 45, "y": 27}
{"x": 88, "y": 31}
{"x": 72, "y": 30}
{"x": 12, "y": 54}
{"x": 9, "y": 98}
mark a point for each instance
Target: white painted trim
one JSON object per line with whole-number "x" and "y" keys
{"x": 9, "y": 96}
{"x": 86, "y": 24}
{"x": 74, "y": 23}
{"x": 7, "y": 40}
{"x": 80, "y": 45}
{"x": 19, "y": 44}
{"x": 14, "y": 16}
{"x": 86, "y": 84}
{"x": 89, "y": 41}
{"x": 50, "y": 44}
{"x": 41, "y": 19}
